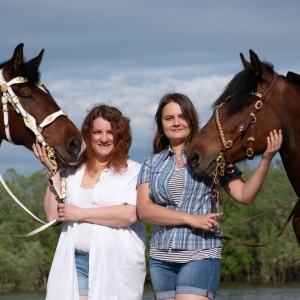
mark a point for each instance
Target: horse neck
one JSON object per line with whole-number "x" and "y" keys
{"x": 290, "y": 150}
{"x": 291, "y": 163}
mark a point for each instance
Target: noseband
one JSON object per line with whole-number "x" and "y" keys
{"x": 224, "y": 159}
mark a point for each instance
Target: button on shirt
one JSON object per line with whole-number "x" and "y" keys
{"x": 195, "y": 199}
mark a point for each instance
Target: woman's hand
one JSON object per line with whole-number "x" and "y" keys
{"x": 205, "y": 222}
{"x": 274, "y": 141}
{"x": 41, "y": 154}
{"x": 68, "y": 212}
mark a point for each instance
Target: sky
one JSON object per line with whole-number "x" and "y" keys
{"x": 129, "y": 53}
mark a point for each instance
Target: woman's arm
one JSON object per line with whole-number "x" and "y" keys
{"x": 246, "y": 192}
{"x": 160, "y": 215}
{"x": 50, "y": 202}
{"x": 114, "y": 216}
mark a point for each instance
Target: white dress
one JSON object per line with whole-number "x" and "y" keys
{"x": 117, "y": 266}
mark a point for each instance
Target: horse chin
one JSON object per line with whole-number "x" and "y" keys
{"x": 205, "y": 172}
{"x": 62, "y": 163}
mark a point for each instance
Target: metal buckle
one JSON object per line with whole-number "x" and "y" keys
{"x": 249, "y": 152}
{"x": 4, "y": 87}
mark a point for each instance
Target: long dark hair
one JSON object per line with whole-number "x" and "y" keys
{"x": 160, "y": 141}
{"x": 121, "y": 132}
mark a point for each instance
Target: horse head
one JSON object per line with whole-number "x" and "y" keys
{"x": 237, "y": 102}
{"x": 31, "y": 114}
{"x": 253, "y": 103}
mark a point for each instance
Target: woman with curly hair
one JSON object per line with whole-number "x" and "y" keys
{"x": 100, "y": 253}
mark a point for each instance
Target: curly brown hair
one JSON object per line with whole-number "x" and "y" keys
{"x": 160, "y": 141}
{"x": 121, "y": 133}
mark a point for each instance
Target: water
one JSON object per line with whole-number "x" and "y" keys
{"x": 243, "y": 291}
{"x": 232, "y": 291}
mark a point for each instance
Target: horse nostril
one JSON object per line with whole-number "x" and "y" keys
{"x": 75, "y": 147}
{"x": 193, "y": 159}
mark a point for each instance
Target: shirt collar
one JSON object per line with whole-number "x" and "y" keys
{"x": 168, "y": 152}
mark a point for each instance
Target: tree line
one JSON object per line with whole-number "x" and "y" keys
{"x": 25, "y": 262}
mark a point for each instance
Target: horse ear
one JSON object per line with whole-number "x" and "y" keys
{"x": 36, "y": 61}
{"x": 17, "y": 59}
{"x": 246, "y": 63}
{"x": 255, "y": 63}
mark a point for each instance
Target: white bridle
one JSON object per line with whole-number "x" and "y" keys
{"x": 9, "y": 97}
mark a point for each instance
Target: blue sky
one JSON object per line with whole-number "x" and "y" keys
{"x": 128, "y": 53}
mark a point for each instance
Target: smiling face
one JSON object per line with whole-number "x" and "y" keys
{"x": 102, "y": 139}
{"x": 175, "y": 126}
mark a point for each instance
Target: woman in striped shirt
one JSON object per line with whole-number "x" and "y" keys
{"x": 184, "y": 256}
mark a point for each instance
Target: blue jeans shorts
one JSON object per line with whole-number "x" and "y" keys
{"x": 198, "y": 277}
{"x": 82, "y": 269}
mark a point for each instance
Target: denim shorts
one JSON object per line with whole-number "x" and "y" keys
{"x": 198, "y": 277}
{"x": 82, "y": 269}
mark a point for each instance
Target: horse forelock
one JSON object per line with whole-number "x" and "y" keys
{"x": 27, "y": 71}
{"x": 239, "y": 92}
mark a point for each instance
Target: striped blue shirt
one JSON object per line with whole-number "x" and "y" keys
{"x": 195, "y": 199}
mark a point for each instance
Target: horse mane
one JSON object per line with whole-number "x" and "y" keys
{"x": 26, "y": 70}
{"x": 239, "y": 92}
{"x": 293, "y": 78}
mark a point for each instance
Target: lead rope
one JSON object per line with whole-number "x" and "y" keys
{"x": 60, "y": 195}
{"x": 43, "y": 227}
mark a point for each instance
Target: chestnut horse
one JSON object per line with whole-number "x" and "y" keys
{"x": 30, "y": 114}
{"x": 256, "y": 98}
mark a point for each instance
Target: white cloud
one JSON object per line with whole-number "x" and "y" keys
{"x": 129, "y": 53}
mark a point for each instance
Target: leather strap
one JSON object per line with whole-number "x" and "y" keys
{"x": 230, "y": 239}
{"x": 43, "y": 227}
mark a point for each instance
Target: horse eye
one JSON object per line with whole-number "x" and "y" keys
{"x": 27, "y": 97}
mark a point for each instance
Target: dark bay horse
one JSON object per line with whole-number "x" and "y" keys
{"x": 255, "y": 101}
{"x": 29, "y": 112}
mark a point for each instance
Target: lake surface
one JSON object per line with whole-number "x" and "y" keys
{"x": 232, "y": 291}
{"x": 243, "y": 291}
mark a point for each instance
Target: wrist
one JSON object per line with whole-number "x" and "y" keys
{"x": 186, "y": 218}
{"x": 266, "y": 161}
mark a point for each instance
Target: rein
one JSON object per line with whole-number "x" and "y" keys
{"x": 9, "y": 97}
{"x": 224, "y": 163}
{"x": 238, "y": 242}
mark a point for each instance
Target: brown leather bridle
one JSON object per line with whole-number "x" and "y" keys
{"x": 224, "y": 163}
{"x": 249, "y": 121}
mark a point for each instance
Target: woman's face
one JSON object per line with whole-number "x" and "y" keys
{"x": 175, "y": 126}
{"x": 102, "y": 139}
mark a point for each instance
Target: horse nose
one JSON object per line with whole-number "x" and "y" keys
{"x": 75, "y": 147}
{"x": 193, "y": 159}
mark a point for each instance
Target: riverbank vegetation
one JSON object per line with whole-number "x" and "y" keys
{"x": 25, "y": 262}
